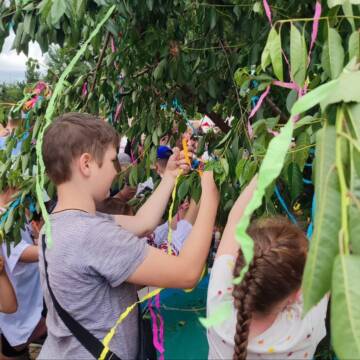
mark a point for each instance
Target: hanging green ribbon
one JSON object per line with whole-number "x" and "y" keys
{"x": 40, "y": 178}
{"x": 269, "y": 170}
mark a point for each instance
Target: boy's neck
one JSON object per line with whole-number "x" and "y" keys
{"x": 70, "y": 197}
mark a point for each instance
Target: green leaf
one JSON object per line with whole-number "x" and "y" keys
{"x": 301, "y": 156}
{"x": 133, "y": 176}
{"x": 324, "y": 243}
{"x": 58, "y": 9}
{"x": 354, "y": 45}
{"x": 240, "y": 168}
{"x": 346, "y": 88}
{"x": 225, "y": 165}
{"x": 276, "y": 53}
{"x": 313, "y": 98}
{"x": 332, "y": 3}
{"x": 159, "y": 70}
{"x": 269, "y": 170}
{"x": 183, "y": 189}
{"x": 212, "y": 88}
{"x": 336, "y": 53}
{"x": 354, "y": 115}
{"x": 295, "y": 180}
{"x": 348, "y": 11}
{"x": 265, "y": 56}
{"x": 345, "y": 307}
{"x": 298, "y": 56}
{"x": 212, "y": 18}
{"x": 150, "y": 4}
{"x": 354, "y": 228}
{"x": 9, "y": 221}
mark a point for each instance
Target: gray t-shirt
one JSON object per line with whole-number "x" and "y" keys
{"x": 88, "y": 264}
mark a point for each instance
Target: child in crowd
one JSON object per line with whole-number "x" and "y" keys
{"x": 181, "y": 226}
{"x": 267, "y": 319}
{"x": 8, "y": 302}
{"x": 96, "y": 261}
{"x": 27, "y": 323}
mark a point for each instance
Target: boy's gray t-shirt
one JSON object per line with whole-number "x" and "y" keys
{"x": 88, "y": 263}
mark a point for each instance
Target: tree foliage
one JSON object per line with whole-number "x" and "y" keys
{"x": 160, "y": 62}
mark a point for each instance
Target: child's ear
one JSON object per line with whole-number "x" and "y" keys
{"x": 85, "y": 161}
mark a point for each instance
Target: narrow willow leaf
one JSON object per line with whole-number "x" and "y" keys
{"x": 265, "y": 56}
{"x": 345, "y": 307}
{"x": 332, "y": 3}
{"x": 58, "y": 9}
{"x": 301, "y": 156}
{"x": 276, "y": 53}
{"x": 336, "y": 53}
{"x": 324, "y": 244}
{"x": 313, "y": 98}
{"x": 346, "y": 88}
{"x": 298, "y": 56}
{"x": 269, "y": 170}
{"x": 354, "y": 228}
{"x": 348, "y": 11}
{"x": 354, "y": 45}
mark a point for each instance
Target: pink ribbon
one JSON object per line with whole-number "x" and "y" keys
{"x": 84, "y": 90}
{"x": 267, "y": 11}
{"x": 40, "y": 86}
{"x": 158, "y": 333}
{"x": 315, "y": 28}
{"x": 31, "y": 103}
{"x": 256, "y": 109}
{"x": 112, "y": 42}
{"x": 119, "y": 109}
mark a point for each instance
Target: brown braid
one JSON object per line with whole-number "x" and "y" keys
{"x": 243, "y": 303}
{"x": 274, "y": 273}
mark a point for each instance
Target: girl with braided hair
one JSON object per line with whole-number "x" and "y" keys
{"x": 266, "y": 320}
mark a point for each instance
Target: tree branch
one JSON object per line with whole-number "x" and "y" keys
{"x": 98, "y": 65}
{"x": 276, "y": 110}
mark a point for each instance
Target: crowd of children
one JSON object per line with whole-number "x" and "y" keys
{"x": 102, "y": 251}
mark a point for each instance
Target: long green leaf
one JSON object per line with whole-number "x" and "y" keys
{"x": 298, "y": 56}
{"x": 354, "y": 45}
{"x": 324, "y": 243}
{"x": 332, "y": 3}
{"x": 345, "y": 308}
{"x": 314, "y": 97}
{"x": 336, "y": 53}
{"x": 348, "y": 11}
{"x": 269, "y": 170}
{"x": 346, "y": 88}
{"x": 276, "y": 53}
{"x": 58, "y": 9}
{"x": 354, "y": 228}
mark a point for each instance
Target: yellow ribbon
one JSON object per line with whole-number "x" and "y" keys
{"x": 111, "y": 333}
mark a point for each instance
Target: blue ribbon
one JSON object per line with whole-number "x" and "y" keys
{"x": 283, "y": 204}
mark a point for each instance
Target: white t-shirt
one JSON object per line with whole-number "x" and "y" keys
{"x": 289, "y": 337}
{"x": 179, "y": 235}
{"x": 25, "y": 278}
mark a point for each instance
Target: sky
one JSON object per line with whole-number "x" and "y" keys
{"x": 12, "y": 65}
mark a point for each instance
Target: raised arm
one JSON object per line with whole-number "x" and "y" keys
{"x": 150, "y": 214}
{"x": 8, "y": 303}
{"x": 183, "y": 271}
{"x": 228, "y": 244}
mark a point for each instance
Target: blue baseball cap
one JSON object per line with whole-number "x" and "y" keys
{"x": 163, "y": 152}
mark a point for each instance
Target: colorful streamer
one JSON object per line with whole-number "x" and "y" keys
{"x": 40, "y": 178}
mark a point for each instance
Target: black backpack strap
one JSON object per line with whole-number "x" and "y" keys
{"x": 86, "y": 339}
